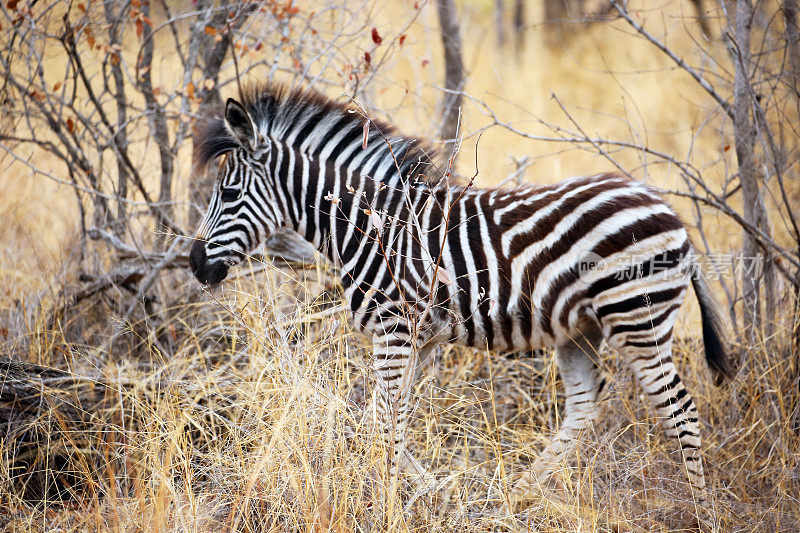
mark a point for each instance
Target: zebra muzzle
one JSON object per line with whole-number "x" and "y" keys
{"x": 207, "y": 273}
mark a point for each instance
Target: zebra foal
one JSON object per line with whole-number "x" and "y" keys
{"x": 572, "y": 265}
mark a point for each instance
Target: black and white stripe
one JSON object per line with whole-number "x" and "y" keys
{"x": 591, "y": 259}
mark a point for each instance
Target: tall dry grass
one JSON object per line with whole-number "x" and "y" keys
{"x": 261, "y": 420}
{"x": 251, "y": 407}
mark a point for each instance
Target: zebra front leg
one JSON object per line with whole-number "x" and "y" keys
{"x": 395, "y": 363}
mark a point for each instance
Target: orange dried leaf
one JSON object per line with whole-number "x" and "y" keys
{"x": 190, "y": 90}
{"x": 376, "y": 37}
{"x": 367, "y": 58}
{"x": 81, "y": 8}
{"x": 210, "y": 30}
{"x": 71, "y": 125}
{"x": 402, "y": 39}
{"x": 364, "y": 135}
{"x": 139, "y": 27}
{"x": 444, "y": 277}
{"x": 57, "y": 86}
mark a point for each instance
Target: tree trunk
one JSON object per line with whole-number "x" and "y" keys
{"x": 792, "y": 38}
{"x": 454, "y": 71}
{"x": 519, "y": 27}
{"x": 158, "y": 127}
{"x": 121, "y": 136}
{"x": 745, "y": 140}
{"x": 500, "y": 22}
{"x": 557, "y": 16}
{"x": 209, "y": 98}
{"x": 702, "y": 18}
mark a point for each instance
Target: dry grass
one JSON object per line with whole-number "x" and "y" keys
{"x": 261, "y": 419}
{"x": 251, "y": 407}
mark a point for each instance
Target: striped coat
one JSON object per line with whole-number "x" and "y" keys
{"x": 588, "y": 262}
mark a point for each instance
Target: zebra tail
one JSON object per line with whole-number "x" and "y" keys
{"x": 713, "y": 330}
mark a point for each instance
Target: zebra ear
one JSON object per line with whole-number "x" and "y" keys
{"x": 239, "y": 122}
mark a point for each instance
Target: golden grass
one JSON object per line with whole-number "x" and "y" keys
{"x": 260, "y": 417}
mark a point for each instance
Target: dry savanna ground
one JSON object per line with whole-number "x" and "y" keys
{"x": 249, "y": 407}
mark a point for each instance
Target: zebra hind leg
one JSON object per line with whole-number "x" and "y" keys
{"x": 650, "y": 360}
{"x": 584, "y": 385}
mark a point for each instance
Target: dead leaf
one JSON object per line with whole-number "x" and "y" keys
{"x": 443, "y": 276}
{"x": 376, "y": 37}
{"x": 57, "y": 86}
{"x": 365, "y": 135}
{"x": 374, "y": 218}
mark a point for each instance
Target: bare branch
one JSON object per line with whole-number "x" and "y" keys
{"x": 723, "y": 103}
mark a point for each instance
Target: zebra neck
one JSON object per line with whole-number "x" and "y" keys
{"x": 339, "y": 208}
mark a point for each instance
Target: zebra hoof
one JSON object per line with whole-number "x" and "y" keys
{"x": 531, "y": 487}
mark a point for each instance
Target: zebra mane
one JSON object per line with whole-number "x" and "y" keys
{"x": 306, "y": 116}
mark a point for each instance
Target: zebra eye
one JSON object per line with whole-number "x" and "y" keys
{"x": 229, "y": 195}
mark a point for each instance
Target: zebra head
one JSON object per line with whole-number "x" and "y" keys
{"x": 243, "y": 210}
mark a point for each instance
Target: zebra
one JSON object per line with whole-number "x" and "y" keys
{"x": 590, "y": 261}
